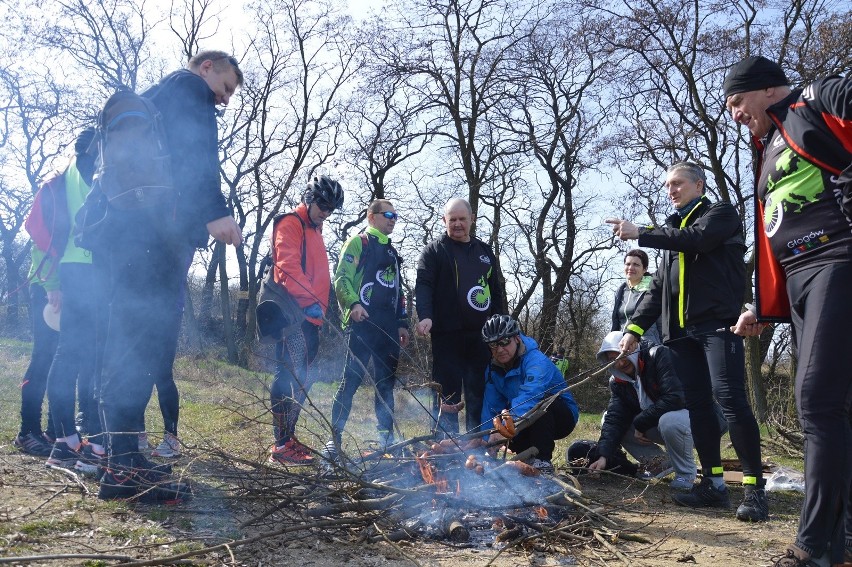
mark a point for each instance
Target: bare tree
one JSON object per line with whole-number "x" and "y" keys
{"x": 286, "y": 124}
{"x": 452, "y": 55}
{"x": 33, "y": 134}
{"x": 554, "y": 75}
{"x": 384, "y": 126}
{"x": 193, "y": 22}
{"x": 105, "y": 37}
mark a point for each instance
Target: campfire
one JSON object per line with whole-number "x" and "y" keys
{"x": 464, "y": 492}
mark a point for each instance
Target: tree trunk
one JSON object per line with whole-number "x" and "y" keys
{"x": 190, "y": 322}
{"x": 754, "y": 378}
{"x": 225, "y": 300}
{"x": 205, "y": 309}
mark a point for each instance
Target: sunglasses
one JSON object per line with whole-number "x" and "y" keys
{"x": 390, "y": 215}
{"x": 501, "y": 343}
{"x": 325, "y": 207}
{"x": 230, "y": 60}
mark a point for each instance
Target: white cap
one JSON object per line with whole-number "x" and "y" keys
{"x": 51, "y": 317}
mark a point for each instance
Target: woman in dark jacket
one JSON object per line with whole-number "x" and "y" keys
{"x": 631, "y": 292}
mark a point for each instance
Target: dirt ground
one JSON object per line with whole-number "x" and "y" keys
{"x": 47, "y": 517}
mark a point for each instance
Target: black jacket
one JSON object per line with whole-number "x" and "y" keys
{"x": 656, "y": 372}
{"x": 705, "y": 252}
{"x": 188, "y": 107}
{"x": 436, "y": 289}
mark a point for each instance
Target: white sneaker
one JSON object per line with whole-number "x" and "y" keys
{"x": 143, "y": 441}
{"x": 170, "y": 447}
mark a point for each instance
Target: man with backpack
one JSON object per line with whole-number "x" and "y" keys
{"x": 300, "y": 264}
{"x": 367, "y": 283}
{"x": 803, "y": 266}
{"x": 152, "y": 237}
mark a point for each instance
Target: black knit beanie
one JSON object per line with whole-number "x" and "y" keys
{"x": 753, "y": 74}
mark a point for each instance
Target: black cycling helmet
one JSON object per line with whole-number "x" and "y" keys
{"x": 499, "y": 327}
{"x": 325, "y": 192}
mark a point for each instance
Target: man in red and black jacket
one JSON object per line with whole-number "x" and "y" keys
{"x": 803, "y": 240}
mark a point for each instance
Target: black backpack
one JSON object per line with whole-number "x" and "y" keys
{"x": 135, "y": 163}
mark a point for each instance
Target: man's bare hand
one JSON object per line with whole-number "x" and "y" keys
{"x": 623, "y": 229}
{"x": 358, "y": 313}
{"x": 640, "y": 438}
{"x": 747, "y": 325}
{"x": 598, "y": 465}
{"x": 628, "y": 343}
{"x": 424, "y": 326}
{"x": 226, "y": 230}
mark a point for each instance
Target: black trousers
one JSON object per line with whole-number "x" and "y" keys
{"x": 366, "y": 341}
{"x": 34, "y": 383}
{"x": 821, "y": 313}
{"x": 73, "y": 368}
{"x": 556, "y": 423}
{"x": 146, "y": 277}
{"x": 712, "y": 363}
{"x": 458, "y": 365}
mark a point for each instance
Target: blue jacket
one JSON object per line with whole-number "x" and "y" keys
{"x": 532, "y": 378}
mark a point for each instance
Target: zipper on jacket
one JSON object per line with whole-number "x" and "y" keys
{"x": 681, "y": 262}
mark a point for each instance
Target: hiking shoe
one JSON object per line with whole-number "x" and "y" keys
{"x": 92, "y": 463}
{"x": 291, "y": 453}
{"x": 142, "y": 487}
{"x": 33, "y": 444}
{"x": 329, "y": 452}
{"x": 755, "y": 507}
{"x": 141, "y": 463}
{"x": 704, "y": 495}
{"x": 544, "y": 467}
{"x": 790, "y": 559}
{"x": 330, "y": 458}
{"x": 144, "y": 445}
{"x": 49, "y": 437}
{"x": 682, "y": 483}
{"x": 64, "y": 457}
{"x": 169, "y": 447}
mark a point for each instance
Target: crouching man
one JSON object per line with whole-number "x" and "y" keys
{"x": 519, "y": 376}
{"x": 647, "y": 409}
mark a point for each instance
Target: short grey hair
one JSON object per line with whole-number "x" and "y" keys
{"x": 693, "y": 170}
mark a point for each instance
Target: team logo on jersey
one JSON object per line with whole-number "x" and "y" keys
{"x": 386, "y": 277}
{"x": 479, "y": 296}
{"x": 348, "y": 258}
{"x": 365, "y": 293}
{"x": 794, "y": 184}
{"x": 485, "y": 259}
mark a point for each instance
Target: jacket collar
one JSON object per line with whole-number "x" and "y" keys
{"x": 381, "y": 236}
